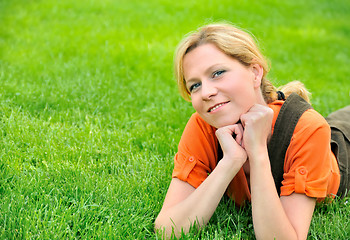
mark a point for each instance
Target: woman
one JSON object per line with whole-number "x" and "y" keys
{"x": 222, "y": 72}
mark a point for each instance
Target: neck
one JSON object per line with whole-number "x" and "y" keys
{"x": 260, "y": 98}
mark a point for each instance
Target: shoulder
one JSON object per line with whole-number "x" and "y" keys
{"x": 311, "y": 122}
{"x": 197, "y": 127}
{"x": 197, "y": 152}
{"x": 198, "y": 139}
{"x": 311, "y": 139}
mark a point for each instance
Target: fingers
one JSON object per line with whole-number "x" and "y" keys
{"x": 258, "y": 117}
{"x": 257, "y": 124}
{"x": 231, "y": 147}
{"x": 239, "y": 133}
{"x": 225, "y": 135}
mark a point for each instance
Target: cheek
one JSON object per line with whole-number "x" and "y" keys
{"x": 195, "y": 103}
{"x": 242, "y": 87}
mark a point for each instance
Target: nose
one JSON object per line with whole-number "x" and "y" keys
{"x": 208, "y": 90}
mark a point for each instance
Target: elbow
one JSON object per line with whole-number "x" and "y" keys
{"x": 157, "y": 225}
{"x": 162, "y": 228}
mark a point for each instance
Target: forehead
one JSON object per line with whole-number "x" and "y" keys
{"x": 204, "y": 50}
{"x": 202, "y": 58}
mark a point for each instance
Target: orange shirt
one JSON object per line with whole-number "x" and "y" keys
{"x": 310, "y": 167}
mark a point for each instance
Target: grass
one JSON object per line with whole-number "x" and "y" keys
{"x": 90, "y": 116}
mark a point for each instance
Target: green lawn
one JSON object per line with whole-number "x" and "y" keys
{"x": 90, "y": 115}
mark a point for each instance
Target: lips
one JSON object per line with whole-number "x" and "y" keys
{"x": 213, "y": 108}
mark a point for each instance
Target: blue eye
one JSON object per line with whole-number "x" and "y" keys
{"x": 218, "y": 73}
{"x": 194, "y": 86}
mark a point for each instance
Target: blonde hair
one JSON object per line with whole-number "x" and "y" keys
{"x": 234, "y": 42}
{"x": 296, "y": 87}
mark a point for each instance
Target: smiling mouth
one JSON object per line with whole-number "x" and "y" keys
{"x": 216, "y": 106}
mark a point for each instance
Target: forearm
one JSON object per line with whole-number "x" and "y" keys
{"x": 269, "y": 217}
{"x": 199, "y": 206}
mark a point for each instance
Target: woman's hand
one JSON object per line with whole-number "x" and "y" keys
{"x": 257, "y": 129}
{"x": 185, "y": 205}
{"x": 232, "y": 148}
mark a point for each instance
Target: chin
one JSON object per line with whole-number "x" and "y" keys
{"x": 224, "y": 123}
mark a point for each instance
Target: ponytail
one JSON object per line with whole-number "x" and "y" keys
{"x": 298, "y": 88}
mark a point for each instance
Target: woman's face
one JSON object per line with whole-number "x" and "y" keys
{"x": 221, "y": 88}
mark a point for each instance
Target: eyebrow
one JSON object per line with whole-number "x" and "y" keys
{"x": 206, "y": 72}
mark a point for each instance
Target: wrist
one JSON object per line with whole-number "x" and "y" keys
{"x": 259, "y": 158}
{"x": 230, "y": 166}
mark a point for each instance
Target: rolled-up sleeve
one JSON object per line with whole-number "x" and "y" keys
{"x": 197, "y": 152}
{"x": 310, "y": 167}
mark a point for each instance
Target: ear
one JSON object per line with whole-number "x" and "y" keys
{"x": 258, "y": 72}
